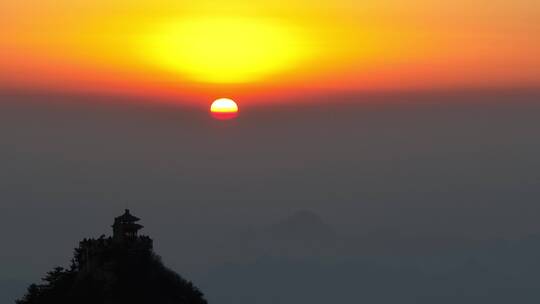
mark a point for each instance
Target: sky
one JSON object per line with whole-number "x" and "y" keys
{"x": 387, "y": 145}
{"x": 261, "y": 50}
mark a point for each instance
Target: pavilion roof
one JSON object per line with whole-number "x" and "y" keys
{"x": 127, "y": 217}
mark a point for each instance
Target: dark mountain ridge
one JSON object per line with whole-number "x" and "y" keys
{"x": 114, "y": 270}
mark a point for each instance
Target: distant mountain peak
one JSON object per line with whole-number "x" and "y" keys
{"x": 303, "y": 225}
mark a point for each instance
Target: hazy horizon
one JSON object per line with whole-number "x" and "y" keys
{"x": 405, "y": 176}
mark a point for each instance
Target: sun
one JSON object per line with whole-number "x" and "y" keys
{"x": 224, "y": 108}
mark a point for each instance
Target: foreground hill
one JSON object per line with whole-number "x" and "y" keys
{"x": 116, "y": 270}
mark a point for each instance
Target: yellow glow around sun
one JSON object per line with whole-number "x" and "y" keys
{"x": 224, "y": 50}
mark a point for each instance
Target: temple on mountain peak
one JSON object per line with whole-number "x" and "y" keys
{"x": 125, "y": 227}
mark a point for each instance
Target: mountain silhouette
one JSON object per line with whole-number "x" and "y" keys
{"x": 303, "y": 226}
{"x": 114, "y": 270}
{"x": 303, "y": 233}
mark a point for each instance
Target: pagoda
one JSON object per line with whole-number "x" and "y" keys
{"x": 125, "y": 227}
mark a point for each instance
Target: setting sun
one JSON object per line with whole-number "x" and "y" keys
{"x": 224, "y": 108}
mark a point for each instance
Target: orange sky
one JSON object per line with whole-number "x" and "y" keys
{"x": 245, "y": 48}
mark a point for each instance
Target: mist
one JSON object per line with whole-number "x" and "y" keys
{"x": 403, "y": 175}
